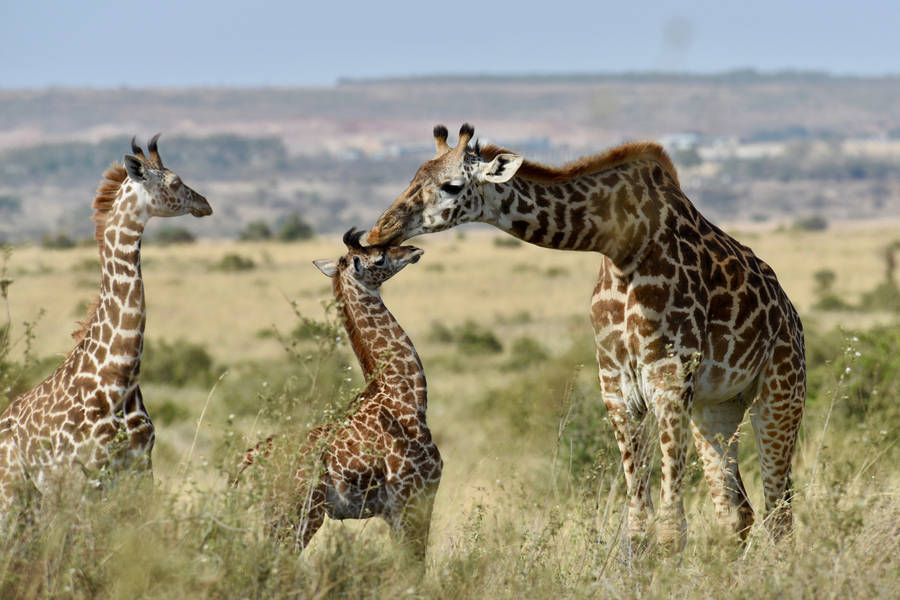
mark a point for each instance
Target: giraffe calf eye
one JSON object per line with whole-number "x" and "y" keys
{"x": 451, "y": 188}
{"x": 380, "y": 260}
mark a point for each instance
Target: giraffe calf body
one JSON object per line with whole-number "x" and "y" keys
{"x": 380, "y": 460}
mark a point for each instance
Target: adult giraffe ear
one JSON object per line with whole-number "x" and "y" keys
{"x": 501, "y": 169}
{"x": 134, "y": 167}
{"x": 328, "y": 267}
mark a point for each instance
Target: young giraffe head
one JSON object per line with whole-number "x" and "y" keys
{"x": 157, "y": 191}
{"x": 368, "y": 266}
{"x": 446, "y": 190}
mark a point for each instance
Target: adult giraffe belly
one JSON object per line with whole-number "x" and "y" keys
{"x": 711, "y": 387}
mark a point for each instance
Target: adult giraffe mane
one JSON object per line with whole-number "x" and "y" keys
{"x": 588, "y": 165}
{"x": 113, "y": 178}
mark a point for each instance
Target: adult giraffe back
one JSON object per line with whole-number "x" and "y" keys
{"x": 690, "y": 325}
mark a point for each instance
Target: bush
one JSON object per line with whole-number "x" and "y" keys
{"x": 256, "y": 231}
{"x": 293, "y": 228}
{"x": 232, "y": 262}
{"x": 525, "y": 352}
{"x": 473, "y": 338}
{"x": 811, "y": 223}
{"x": 60, "y": 241}
{"x": 174, "y": 235}
{"x": 507, "y": 241}
{"x": 178, "y": 364}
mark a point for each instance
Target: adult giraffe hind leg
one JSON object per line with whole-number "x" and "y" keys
{"x": 715, "y": 430}
{"x": 776, "y": 417}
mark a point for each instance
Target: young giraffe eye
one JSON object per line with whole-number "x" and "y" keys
{"x": 451, "y": 188}
{"x": 380, "y": 260}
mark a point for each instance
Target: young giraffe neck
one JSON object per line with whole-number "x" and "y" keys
{"x": 115, "y": 336}
{"x": 385, "y": 352}
{"x": 614, "y": 212}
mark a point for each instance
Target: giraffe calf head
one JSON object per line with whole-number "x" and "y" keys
{"x": 368, "y": 266}
{"x": 160, "y": 190}
{"x": 446, "y": 190}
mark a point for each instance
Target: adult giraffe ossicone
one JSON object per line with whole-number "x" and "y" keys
{"x": 89, "y": 416}
{"x": 689, "y": 324}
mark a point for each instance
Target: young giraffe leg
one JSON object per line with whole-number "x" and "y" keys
{"x": 631, "y": 436}
{"x": 776, "y": 416}
{"x": 413, "y": 523}
{"x": 715, "y": 430}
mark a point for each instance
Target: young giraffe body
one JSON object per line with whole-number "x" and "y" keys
{"x": 690, "y": 326}
{"x": 380, "y": 461}
{"x": 89, "y": 415}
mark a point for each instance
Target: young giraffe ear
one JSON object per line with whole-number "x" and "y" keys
{"x": 502, "y": 168}
{"x": 134, "y": 167}
{"x": 328, "y": 267}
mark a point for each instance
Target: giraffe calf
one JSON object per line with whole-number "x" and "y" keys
{"x": 380, "y": 460}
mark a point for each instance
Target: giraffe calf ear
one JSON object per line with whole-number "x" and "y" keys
{"x": 502, "y": 168}
{"x": 135, "y": 168}
{"x": 328, "y": 267}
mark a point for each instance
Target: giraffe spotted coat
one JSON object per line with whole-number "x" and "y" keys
{"x": 380, "y": 460}
{"x": 690, "y": 325}
{"x": 88, "y": 417}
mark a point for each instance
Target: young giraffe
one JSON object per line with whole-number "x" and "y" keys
{"x": 89, "y": 412}
{"x": 689, "y": 324}
{"x": 381, "y": 460}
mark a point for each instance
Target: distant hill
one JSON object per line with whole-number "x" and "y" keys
{"x": 752, "y": 146}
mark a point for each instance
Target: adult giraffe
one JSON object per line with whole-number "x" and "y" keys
{"x": 689, "y": 324}
{"x": 88, "y": 416}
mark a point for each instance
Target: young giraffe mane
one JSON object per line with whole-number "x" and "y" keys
{"x": 588, "y": 165}
{"x": 107, "y": 191}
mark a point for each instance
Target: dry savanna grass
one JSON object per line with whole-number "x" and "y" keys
{"x": 531, "y": 499}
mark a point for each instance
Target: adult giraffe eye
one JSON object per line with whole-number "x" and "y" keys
{"x": 451, "y": 188}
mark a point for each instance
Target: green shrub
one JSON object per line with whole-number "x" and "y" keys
{"x": 232, "y": 262}
{"x": 256, "y": 231}
{"x": 180, "y": 363}
{"x": 525, "y": 352}
{"x": 507, "y": 241}
{"x": 168, "y": 412}
{"x": 470, "y": 337}
{"x": 473, "y": 338}
{"x": 810, "y": 223}
{"x": 60, "y": 241}
{"x": 885, "y": 296}
{"x": 174, "y": 235}
{"x": 293, "y": 228}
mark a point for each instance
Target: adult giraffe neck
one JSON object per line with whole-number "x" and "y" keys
{"x": 615, "y": 212}
{"x": 384, "y": 350}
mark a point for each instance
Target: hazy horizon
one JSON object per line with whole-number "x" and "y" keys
{"x": 284, "y": 44}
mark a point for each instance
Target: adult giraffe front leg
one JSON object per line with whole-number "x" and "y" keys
{"x": 668, "y": 386}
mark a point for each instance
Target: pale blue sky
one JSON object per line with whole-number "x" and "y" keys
{"x": 230, "y": 42}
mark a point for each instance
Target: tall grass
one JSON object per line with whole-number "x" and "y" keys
{"x": 531, "y": 504}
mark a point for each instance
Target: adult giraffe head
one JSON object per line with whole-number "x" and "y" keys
{"x": 158, "y": 191}
{"x": 446, "y": 191}
{"x": 368, "y": 266}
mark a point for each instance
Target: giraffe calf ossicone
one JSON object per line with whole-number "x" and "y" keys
{"x": 380, "y": 460}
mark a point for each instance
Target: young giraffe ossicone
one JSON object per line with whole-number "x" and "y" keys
{"x": 88, "y": 416}
{"x": 380, "y": 460}
{"x": 690, "y": 325}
